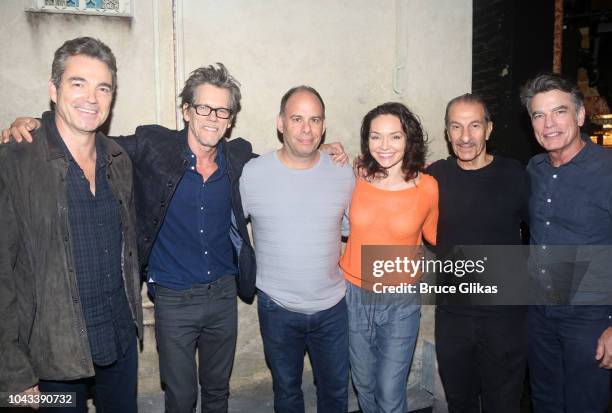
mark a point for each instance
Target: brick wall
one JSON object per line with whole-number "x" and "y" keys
{"x": 512, "y": 41}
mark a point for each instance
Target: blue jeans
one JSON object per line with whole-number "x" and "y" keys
{"x": 382, "y": 337}
{"x": 114, "y": 386}
{"x": 287, "y": 335}
{"x": 565, "y": 377}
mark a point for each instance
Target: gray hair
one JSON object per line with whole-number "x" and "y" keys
{"x": 468, "y": 98}
{"x": 296, "y": 89}
{"x": 545, "y": 83}
{"x": 86, "y": 46}
{"x": 217, "y": 76}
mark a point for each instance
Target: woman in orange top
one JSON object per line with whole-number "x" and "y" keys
{"x": 394, "y": 203}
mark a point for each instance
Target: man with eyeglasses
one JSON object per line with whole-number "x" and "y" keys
{"x": 191, "y": 235}
{"x": 193, "y": 242}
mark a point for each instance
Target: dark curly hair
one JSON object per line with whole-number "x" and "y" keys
{"x": 413, "y": 161}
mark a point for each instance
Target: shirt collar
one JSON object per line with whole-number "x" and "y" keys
{"x": 58, "y": 148}
{"x": 219, "y": 159}
{"x": 581, "y": 159}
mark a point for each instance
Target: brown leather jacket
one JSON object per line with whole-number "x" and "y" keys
{"x": 42, "y": 329}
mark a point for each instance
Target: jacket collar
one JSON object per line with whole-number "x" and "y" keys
{"x": 56, "y": 148}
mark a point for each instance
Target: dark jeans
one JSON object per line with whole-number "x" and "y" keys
{"x": 565, "y": 377}
{"x": 482, "y": 360}
{"x": 287, "y": 335}
{"x": 203, "y": 317}
{"x": 114, "y": 387}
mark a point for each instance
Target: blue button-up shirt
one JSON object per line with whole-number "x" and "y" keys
{"x": 571, "y": 225}
{"x": 95, "y": 227}
{"x": 572, "y": 204}
{"x": 193, "y": 245}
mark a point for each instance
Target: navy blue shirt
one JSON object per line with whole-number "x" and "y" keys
{"x": 570, "y": 210}
{"x": 572, "y": 204}
{"x": 95, "y": 229}
{"x": 193, "y": 245}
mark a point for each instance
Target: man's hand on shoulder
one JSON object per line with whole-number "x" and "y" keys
{"x": 604, "y": 349}
{"x": 20, "y": 130}
{"x": 336, "y": 151}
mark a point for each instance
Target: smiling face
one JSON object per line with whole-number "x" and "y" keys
{"x": 205, "y": 132}
{"x": 387, "y": 142}
{"x": 84, "y": 96}
{"x": 468, "y": 132}
{"x": 556, "y": 124}
{"x": 302, "y": 125}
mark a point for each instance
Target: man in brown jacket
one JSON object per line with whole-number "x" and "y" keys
{"x": 70, "y": 309}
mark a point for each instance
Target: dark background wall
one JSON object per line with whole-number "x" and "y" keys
{"x": 512, "y": 41}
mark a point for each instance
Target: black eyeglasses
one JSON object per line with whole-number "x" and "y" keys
{"x": 205, "y": 110}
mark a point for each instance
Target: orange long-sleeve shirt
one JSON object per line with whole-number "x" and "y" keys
{"x": 382, "y": 217}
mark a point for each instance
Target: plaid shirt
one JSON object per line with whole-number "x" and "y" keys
{"x": 95, "y": 225}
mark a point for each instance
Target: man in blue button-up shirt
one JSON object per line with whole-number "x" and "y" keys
{"x": 570, "y": 346}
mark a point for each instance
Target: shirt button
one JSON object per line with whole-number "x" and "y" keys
{"x": 192, "y": 168}
{"x": 208, "y": 272}
{"x": 548, "y": 200}
{"x": 547, "y": 222}
{"x": 108, "y": 275}
{"x": 555, "y": 176}
{"x": 543, "y": 271}
{"x": 202, "y": 207}
{"x": 543, "y": 247}
{"x": 201, "y": 231}
{"x": 205, "y": 252}
{"x": 105, "y": 251}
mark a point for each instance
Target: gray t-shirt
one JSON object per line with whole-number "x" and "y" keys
{"x": 297, "y": 217}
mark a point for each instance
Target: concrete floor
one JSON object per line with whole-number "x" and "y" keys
{"x": 154, "y": 403}
{"x": 251, "y": 383}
